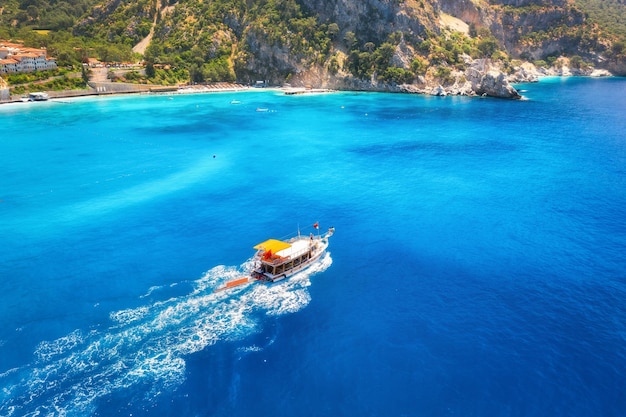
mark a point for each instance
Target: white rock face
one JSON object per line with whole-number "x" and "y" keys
{"x": 487, "y": 80}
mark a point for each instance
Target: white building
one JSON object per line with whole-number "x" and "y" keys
{"x": 8, "y": 65}
{"x": 16, "y": 58}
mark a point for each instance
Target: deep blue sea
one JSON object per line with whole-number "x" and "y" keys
{"x": 478, "y": 266}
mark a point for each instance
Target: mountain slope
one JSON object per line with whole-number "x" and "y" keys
{"x": 342, "y": 43}
{"x": 283, "y": 39}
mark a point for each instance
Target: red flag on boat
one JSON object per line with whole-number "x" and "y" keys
{"x": 316, "y": 225}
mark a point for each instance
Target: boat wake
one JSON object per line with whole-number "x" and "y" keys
{"x": 146, "y": 346}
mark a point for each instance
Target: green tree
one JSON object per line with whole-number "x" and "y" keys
{"x": 150, "y": 72}
{"x": 487, "y": 46}
{"x": 364, "y": 68}
{"x": 419, "y": 66}
{"x": 397, "y": 75}
{"x": 576, "y": 62}
{"x": 32, "y": 12}
{"x": 195, "y": 74}
{"x": 350, "y": 39}
{"x": 382, "y": 56}
{"x": 444, "y": 74}
{"x": 333, "y": 30}
{"x": 618, "y": 48}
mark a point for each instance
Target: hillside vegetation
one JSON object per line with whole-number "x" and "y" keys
{"x": 608, "y": 14}
{"x": 337, "y": 43}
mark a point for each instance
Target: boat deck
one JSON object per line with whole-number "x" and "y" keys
{"x": 297, "y": 248}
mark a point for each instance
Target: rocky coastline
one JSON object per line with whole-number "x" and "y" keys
{"x": 482, "y": 78}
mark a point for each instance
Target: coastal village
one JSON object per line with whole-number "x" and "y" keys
{"x": 16, "y": 58}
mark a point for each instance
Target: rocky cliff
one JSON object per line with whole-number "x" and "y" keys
{"x": 524, "y": 30}
{"x": 473, "y": 47}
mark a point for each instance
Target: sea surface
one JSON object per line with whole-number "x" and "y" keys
{"x": 478, "y": 266}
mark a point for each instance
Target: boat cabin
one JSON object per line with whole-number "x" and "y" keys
{"x": 278, "y": 257}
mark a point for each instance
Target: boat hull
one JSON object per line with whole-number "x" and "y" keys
{"x": 279, "y": 277}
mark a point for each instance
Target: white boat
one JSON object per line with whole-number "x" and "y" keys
{"x": 277, "y": 259}
{"x": 38, "y": 97}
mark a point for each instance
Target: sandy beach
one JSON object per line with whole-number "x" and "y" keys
{"x": 105, "y": 89}
{"x": 108, "y": 89}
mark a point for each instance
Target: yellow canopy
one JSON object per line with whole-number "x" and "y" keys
{"x": 274, "y": 245}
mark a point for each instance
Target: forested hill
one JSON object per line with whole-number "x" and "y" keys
{"x": 337, "y": 43}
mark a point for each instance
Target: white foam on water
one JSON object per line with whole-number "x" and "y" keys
{"x": 129, "y": 315}
{"x": 151, "y": 290}
{"x": 249, "y": 349}
{"x": 46, "y": 350}
{"x": 146, "y": 346}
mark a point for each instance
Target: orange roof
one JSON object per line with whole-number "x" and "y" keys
{"x": 11, "y": 45}
{"x": 36, "y": 51}
{"x": 273, "y": 245}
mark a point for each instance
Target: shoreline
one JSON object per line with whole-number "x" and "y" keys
{"x": 119, "y": 89}
{"x": 128, "y": 89}
{"x": 138, "y": 89}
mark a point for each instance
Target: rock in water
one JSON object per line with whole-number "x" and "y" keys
{"x": 439, "y": 91}
{"x": 490, "y": 81}
{"x": 495, "y": 84}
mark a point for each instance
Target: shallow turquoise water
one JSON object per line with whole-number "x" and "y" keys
{"x": 477, "y": 269}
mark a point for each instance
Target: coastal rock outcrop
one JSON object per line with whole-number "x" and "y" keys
{"x": 525, "y": 73}
{"x": 495, "y": 84}
{"x": 438, "y": 91}
{"x": 488, "y": 80}
{"x": 617, "y": 66}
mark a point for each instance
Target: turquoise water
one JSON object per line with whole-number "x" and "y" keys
{"x": 477, "y": 268}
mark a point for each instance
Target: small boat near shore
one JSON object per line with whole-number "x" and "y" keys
{"x": 38, "y": 97}
{"x": 277, "y": 259}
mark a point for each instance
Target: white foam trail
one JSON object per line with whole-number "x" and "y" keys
{"x": 147, "y": 345}
{"x": 46, "y": 350}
